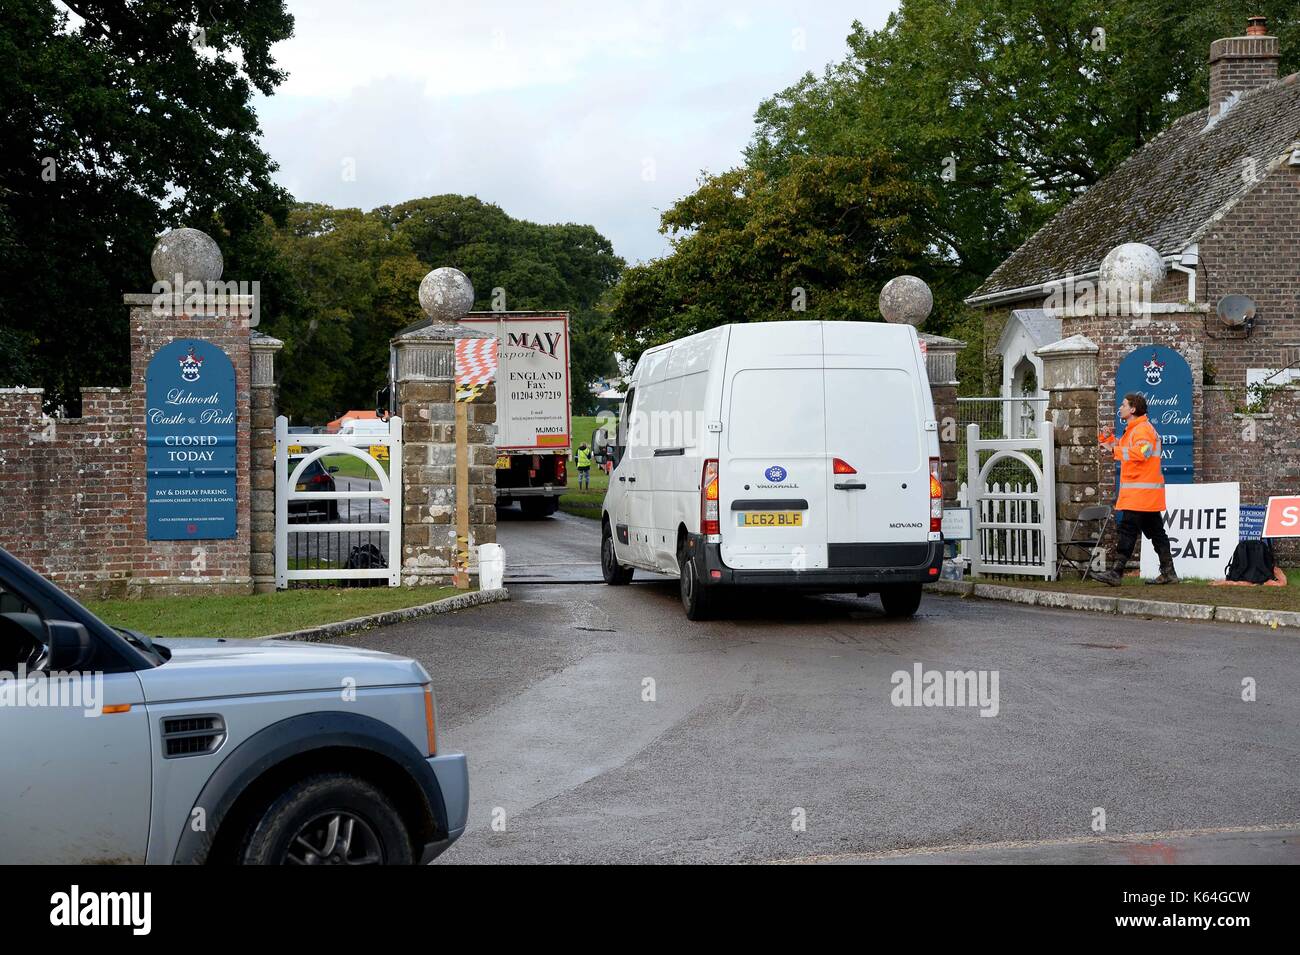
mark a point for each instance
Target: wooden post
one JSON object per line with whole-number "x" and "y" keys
{"x": 460, "y": 576}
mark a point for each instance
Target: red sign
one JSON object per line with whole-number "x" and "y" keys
{"x": 1283, "y": 517}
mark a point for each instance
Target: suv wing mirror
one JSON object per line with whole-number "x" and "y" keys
{"x": 69, "y": 645}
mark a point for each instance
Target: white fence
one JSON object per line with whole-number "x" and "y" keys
{"x": 1012, "y": 496}
{"x": 382, "y": 495}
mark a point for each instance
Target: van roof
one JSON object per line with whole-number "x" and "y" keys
{"x": 890, "y": 337}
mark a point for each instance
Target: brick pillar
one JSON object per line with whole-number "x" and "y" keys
{"x": 262, "y": 459}
{"x": 184, "y": 567}
{"x": 1070, "y": 380}
{"x": 424, "y": 373}
{"x": 941, "y": 366}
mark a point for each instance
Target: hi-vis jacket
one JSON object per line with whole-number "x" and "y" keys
{"x": 584, "y": 458}
{"x": 1141, "y": 482}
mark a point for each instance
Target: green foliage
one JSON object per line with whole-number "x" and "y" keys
{"x": 813, "y": 241}
{"x": 345, "y": 282}
{"x": 114, "y": 130}
{"x": 935, "y": 147}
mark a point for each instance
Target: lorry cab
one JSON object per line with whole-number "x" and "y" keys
{"x": 788, "y": 454}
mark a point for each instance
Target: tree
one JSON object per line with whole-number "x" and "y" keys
{"x": 346, "y": 283}
{"x": 116, "y": 123}
{"x": 817, "y": 241}
{"x": 987, "y": 115}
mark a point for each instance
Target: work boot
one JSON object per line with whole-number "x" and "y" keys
{"x": 1112, "y": 576}
{"x": 1167, "y": 573}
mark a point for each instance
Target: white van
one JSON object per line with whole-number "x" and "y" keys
{"x": 779, "y": 454}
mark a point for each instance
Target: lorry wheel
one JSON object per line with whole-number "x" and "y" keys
{"x": 615, "y": 574}
{"x": 329, "y": 819}
{"x": 697, "y": 599}
{"x": 535, "y": 507}
{"x": 901, "y": 600}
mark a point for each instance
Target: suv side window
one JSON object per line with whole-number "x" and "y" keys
{"x": 22, "y": 631}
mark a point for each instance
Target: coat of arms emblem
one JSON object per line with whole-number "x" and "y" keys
{"x": 191, "y": 364}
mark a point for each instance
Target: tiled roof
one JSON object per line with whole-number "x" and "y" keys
{"x": 1165, "y": 193}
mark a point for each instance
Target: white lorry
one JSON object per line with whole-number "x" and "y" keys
{"x": 533, "y": 405}
{"x": 779, "y": 454}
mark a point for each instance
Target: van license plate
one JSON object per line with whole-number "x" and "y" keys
{"x": 770, "y": 519}
{"x": 503, "y": 462}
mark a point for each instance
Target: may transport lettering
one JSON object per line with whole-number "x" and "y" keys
{"x": 191, "y": 443}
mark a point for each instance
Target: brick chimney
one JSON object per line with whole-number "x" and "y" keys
{"x": 1242, "y": 63}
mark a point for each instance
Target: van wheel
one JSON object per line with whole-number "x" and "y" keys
{"x": 697, "y": 600}
{"x": 536, "y": 507}
{"x": 901, "y": 600}
{"x": 615, "y": 574}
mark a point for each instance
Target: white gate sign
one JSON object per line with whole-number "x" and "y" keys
{"x": 1204, "y": 524}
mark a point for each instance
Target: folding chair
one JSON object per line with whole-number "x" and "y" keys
{"x": 1078, "y": 550}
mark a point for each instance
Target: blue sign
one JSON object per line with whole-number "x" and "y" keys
{"x": 775, "y": 474}
{"x": 190, "y": 442}
{"x": 1163, "y": 377}
{"x": 1250, "y": 520}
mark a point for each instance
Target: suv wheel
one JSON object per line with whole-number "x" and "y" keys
{"x": 697, "y": 599}
{"x": 615, "y": 574}
{"x": 329, "y": 819}
{"x": 901, "y": 600}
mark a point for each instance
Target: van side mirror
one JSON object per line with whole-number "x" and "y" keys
{"x": 68, "y": 646}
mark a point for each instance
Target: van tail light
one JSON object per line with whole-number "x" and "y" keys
{"x": 840, "y": 466}
{"x": 561, "y": 471}
{"x": 320, "y": 479}
{"x": 936, "y": 496}
{"x": 709, "y": 523}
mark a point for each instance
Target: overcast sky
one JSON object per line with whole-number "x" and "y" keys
{"x": 593, "y": 112}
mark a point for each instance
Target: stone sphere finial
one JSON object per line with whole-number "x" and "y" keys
{"x": 906, "y": 299}
{"x": 1130, "y": 265}
{"x": 446, "y": 295}
{"x": 192, "y": 254}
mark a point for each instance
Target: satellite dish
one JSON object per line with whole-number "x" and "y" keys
{"x": 1237, "y": 310}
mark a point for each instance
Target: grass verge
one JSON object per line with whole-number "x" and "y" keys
{"x": 1189, "y": 591}
{"x": 258, "y": 615}
{"x": 584, "y": 503}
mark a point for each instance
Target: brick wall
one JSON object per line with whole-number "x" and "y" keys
{"x": 74, "y": 489}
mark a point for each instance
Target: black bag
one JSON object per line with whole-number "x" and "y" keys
{"x": 363, "y": 557}
{"x": 1252, "y": 561}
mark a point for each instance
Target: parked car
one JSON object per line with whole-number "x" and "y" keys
{"x": 211, "y": 751}
{"x": 779, "y": 454}
{"x": 315, "y": 477}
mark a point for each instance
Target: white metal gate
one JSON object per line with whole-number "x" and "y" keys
{"x": 1011, "y": 491}
{"x": 289, "y": 488}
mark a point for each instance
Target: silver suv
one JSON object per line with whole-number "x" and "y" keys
{"x": 119, "y": 748}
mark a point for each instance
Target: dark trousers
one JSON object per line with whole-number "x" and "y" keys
{"x": 1135, "y": 523}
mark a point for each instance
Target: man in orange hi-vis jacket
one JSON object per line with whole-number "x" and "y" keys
{"x": 1141, "y": 500}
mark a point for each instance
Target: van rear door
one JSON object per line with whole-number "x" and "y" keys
{"x": 773, "y": 465}
{"x": 875, "y": 420}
